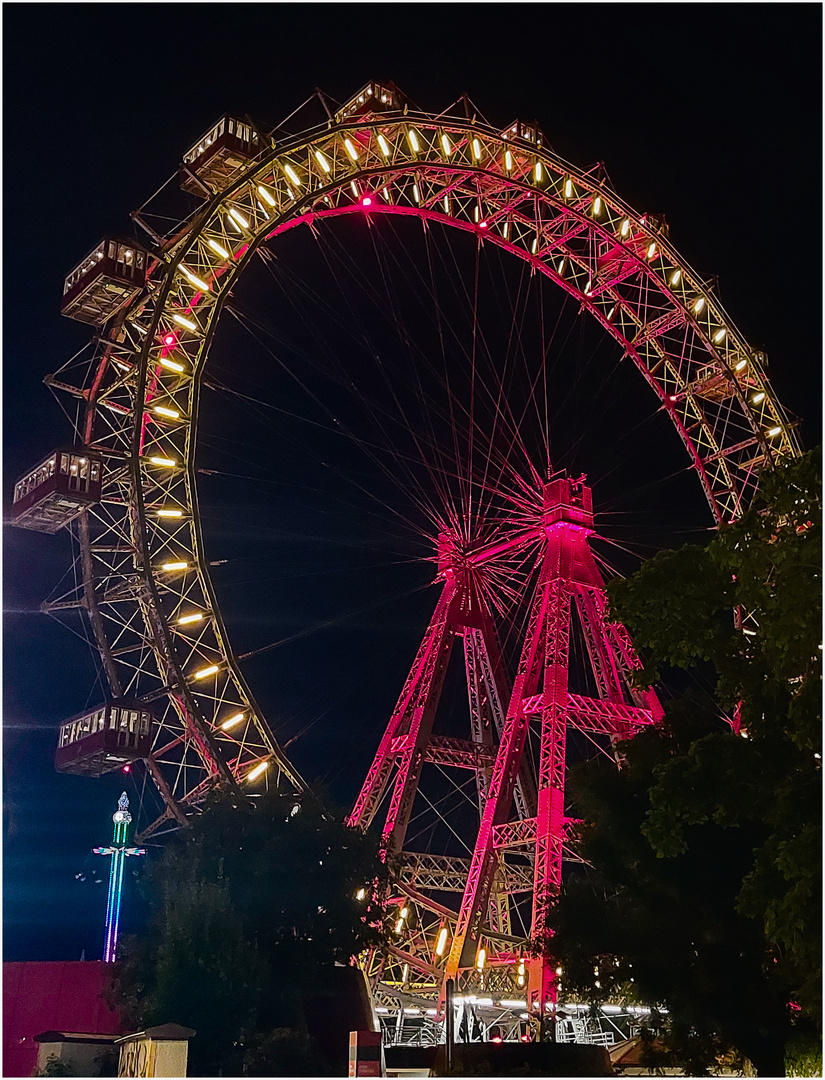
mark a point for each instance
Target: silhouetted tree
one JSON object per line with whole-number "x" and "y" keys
{"x": 706, "y": 844}
{"x": 250, "y": 907}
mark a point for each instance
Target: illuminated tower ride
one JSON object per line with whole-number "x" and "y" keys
{"x": 119, "y": 849}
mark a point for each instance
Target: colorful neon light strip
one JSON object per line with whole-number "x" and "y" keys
{"x": 118, "y": 851}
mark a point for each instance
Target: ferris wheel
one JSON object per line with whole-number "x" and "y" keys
{"x": 128, "y": 482}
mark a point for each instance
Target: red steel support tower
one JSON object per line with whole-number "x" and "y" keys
{"x": 408, "y": 740}
{"x": 521, "y": 809}
{"x": 569, "y": 574}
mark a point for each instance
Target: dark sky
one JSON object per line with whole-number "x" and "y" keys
{"x": 710, "y": 114}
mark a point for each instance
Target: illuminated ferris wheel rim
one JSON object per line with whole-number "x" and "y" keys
{"x": 584, "y": 203}
{"x": 505, "y": 189}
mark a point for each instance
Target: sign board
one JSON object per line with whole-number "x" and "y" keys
{"x": 158, "y": 1051}
{"x": 366, "y": 1057}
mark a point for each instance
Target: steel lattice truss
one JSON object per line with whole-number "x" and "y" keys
{"x": 521, "y": 832}
{"x": 144, "y": 579}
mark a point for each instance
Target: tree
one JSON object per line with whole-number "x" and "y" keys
{"x": 251, "y": 905}
{"x": 706, "y": 843}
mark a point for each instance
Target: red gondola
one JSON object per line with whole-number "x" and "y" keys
{"x": 374, "y": 97}
{"x": 217, "y": 158}
{"x": 105, "y": 738}
{"x": 107, "y": 279}
{"x": 530, "y": 133}
{"x": 54, "y": 493}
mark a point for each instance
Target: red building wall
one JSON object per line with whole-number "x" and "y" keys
{"x": 52, "y": 996}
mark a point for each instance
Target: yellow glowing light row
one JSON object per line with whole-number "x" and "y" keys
{"x": 447, "y": 149}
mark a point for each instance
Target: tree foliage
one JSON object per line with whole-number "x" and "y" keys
{"x": 706, "y": 844}
{"x": 249, "y": 907}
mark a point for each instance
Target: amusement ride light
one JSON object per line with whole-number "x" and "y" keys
{"x": 238, "y": 217}
{"x": 218, "y": 249}
{"x": 232, "y": 721}
{"x": 259, "y": 769}
{"x": 291, "y": 174}
{"x": 172, "y": 365}
{"x": 205, "y": 672}
{"x": 193, "y": 279}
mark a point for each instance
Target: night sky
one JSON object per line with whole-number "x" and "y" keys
{"x": 710, "y": 114}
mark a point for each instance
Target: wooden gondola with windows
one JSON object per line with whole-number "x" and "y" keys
{"x": 105, "y": 282}
{"x": 105, "y": 738}
{"x": 219, "y": 156}
{"x": 57, "y": 490}
{"x": 372, "y": 98}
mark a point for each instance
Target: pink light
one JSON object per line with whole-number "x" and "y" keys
{"x": 366, "y": 201}
{"x": 496, "y": 1038}
{"x": 126, "y": 769}
{"x": 169, "y": 339}
{"x": 482, "y": 225}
